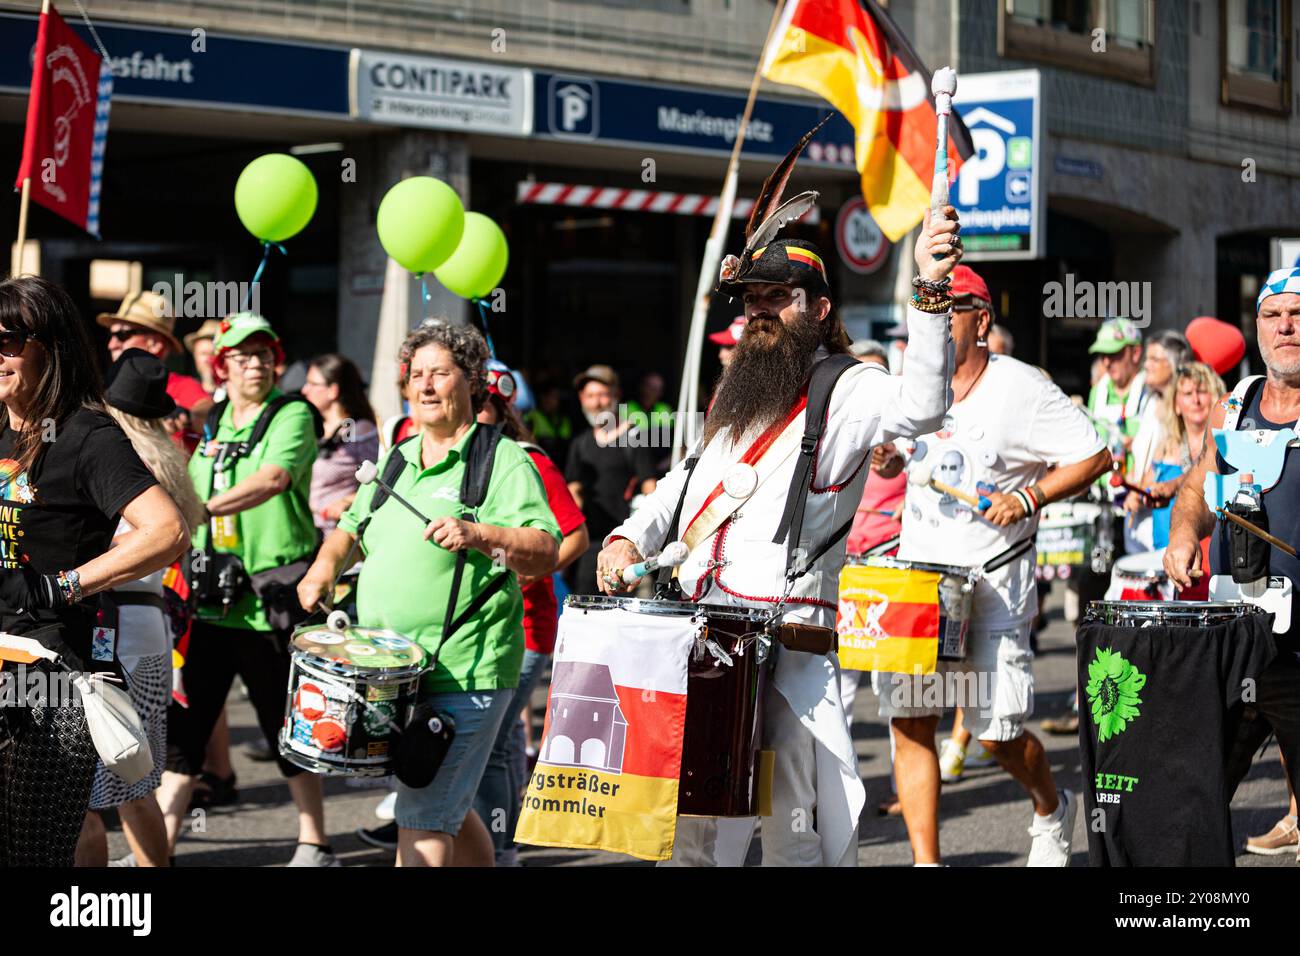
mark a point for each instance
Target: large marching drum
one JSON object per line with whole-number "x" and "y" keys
{"x": 350, "y": 693}
{"x": 726, "y": 678}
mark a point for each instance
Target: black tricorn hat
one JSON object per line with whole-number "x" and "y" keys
{"x": 137, "y": 384}
{"x": 787, "y": 261}
{"x": 767, "y": 258}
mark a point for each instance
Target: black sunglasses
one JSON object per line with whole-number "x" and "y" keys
{"x": 12, "y": 342}
{"x": 122, "y": 335}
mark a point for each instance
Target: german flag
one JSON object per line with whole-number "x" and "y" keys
{"x": 609, "y": 768}
{"x": 889, "y": 619}
{"x": 851, "y": 53}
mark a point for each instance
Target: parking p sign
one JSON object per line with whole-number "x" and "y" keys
{"x": 997, "y": 191}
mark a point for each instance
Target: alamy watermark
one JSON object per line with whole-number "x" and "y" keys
{"x": 623, "y": 427}
{"x": 1097, "y": 300}
{"x": 209, "y": 300}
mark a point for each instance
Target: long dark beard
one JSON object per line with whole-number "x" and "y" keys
{"x": 765, "y": 375}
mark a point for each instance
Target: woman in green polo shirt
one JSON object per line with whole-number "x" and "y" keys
{"x": 256, "y": 495}
{"x": 406, "y": 579}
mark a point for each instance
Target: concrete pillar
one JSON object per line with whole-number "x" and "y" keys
{"x": 382, "y": 161}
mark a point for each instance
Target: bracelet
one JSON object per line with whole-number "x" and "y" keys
{"x": 1036, "y": 493}
{"x": 940, "y": 307}
{"x": 70, "y": 585}
{"x": 1027, "y": 501}
{"x": 942, "y": 287}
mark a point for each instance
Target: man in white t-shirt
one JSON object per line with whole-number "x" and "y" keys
{"x": 1008, "y": 425}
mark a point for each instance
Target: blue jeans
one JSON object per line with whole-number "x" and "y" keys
{"x": 498, "y": 798}
{"x": 442, "y": 806}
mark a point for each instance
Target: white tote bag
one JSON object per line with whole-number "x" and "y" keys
{"x": 115, "y": 728}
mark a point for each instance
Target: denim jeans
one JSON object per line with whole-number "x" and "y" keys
{"x": 498, "y": 799}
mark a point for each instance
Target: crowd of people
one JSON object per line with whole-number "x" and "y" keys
{"x": 171, "y": 532}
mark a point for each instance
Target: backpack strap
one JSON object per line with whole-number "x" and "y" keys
{"x": 820, "y": 386}
{"x": 237, "y": 450}
{"x": 664, "y": 580}
{"x": 1238, "y": 401}
{"x": 393, "y": 468}
{"x": 479, "y": 459}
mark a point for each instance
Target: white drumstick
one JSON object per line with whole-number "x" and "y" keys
{"x": 943, "y": 85}
{"x": 674, "y": 555}
{"x": 367, "y": 473}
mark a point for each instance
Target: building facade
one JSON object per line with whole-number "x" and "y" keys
{"x": 595, "y": 132}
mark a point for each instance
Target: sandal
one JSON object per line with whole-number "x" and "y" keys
{"x": 213, "y": 791}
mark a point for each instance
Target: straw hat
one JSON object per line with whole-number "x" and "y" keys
{"x": 208, "y": 330}
{"x": 148, "y": 310}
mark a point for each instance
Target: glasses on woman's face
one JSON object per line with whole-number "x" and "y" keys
{"x": 12, "y": 342}
{"x": 243, "y": 359}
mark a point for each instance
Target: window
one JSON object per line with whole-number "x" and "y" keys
{"x": 1255, "y": 60}
{"x": 1114, "y": 38}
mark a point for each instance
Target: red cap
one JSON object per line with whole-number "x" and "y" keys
{"x": 730, "y": 336}
{"x": 1216, "y": 343}
{"x": 965, "y": 281}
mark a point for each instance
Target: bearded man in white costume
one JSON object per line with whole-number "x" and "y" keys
{"x": 817, "y": 795}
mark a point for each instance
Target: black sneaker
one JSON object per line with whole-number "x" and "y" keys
{"x": 385, "y": 837}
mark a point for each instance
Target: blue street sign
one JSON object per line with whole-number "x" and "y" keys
{"x": 213, "y": 70}
{"x": 581, "y": 108}
{"x": 998, "y": 191}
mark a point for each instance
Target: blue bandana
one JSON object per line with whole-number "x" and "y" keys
{"x": 1279, "y": 281}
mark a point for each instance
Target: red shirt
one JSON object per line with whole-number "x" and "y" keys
{"x": 541, "y": 613}
{"x": 185, "y": 391}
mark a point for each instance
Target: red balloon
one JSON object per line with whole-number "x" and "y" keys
{"x": 1218, "y": 344}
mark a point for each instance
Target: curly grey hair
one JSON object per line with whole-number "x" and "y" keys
{"x": 467, "y": 348}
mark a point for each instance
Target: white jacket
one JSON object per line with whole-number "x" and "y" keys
{"x": 868, "y": 407}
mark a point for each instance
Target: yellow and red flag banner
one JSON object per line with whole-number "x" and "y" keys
{"x": 67, "y": 124}
{"x": 889, "y": 619}
{"x": 611, "y": 755}
{"x": 851, "y": 53}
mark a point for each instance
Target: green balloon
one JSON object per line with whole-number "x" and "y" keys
{"x": 479, "y": 262}
{"x": 420, "y": 222}
{"x": 275, "y": 197}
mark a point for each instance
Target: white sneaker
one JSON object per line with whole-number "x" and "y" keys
{"x": 952, "y": 760}
{"x": 387, "y": 809}
{"x": 981, "y": 758}
{"x": 1052, "y": 841}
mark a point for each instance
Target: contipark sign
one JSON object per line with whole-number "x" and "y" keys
{"x": 436, "y": 93}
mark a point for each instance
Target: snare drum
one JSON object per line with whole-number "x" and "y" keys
{"x": 1140, "y": 577}
{"x": 956, "y": 600}
{"x": 724, "y": 703}
{"x": 1168, "y": 613}
{"x": 350, "y": 692}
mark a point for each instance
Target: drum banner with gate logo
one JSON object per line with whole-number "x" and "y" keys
{"x": 888, "y": 619}
{"x": 607, "y": 773}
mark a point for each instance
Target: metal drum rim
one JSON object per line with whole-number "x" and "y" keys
{"x": 328, "y": 667}
{"x": 903, "y": 564}
{"x": 606, "y": 602}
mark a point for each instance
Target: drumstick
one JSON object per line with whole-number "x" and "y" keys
{"x": 981, "y": 502}
{"x": 368, "y": 472}
{"x": 1257, "y": 532}
{"x": 943, "y": 85}
{"x": 1117, "y": 480}
{"x": 925, "y": 476}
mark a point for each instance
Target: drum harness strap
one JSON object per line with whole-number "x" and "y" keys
{"x": 825, "y": 374}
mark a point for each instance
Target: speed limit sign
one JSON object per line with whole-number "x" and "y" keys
{"x": 863, "y": 247}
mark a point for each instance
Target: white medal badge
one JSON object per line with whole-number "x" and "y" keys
{"x": 740, "y": 480}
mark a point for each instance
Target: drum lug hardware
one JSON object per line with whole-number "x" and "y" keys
{"x": 716, "y": 650}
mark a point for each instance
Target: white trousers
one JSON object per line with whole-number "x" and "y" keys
{"x": 789, "y": 835}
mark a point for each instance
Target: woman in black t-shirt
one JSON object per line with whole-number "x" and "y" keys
{"x": 67, "y": 473}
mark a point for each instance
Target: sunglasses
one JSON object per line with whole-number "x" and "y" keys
{"x": 12, "y": 342}
{"x": 123, "y": 335}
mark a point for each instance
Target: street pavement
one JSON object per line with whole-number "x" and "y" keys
{"x": 983, "y": 818}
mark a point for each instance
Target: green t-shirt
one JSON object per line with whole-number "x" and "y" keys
{"x": 1117, "y": 416}
{"x": 659, "y": 419}
{"x": 406, "y": 581}
{"x": 278, "y": 531}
